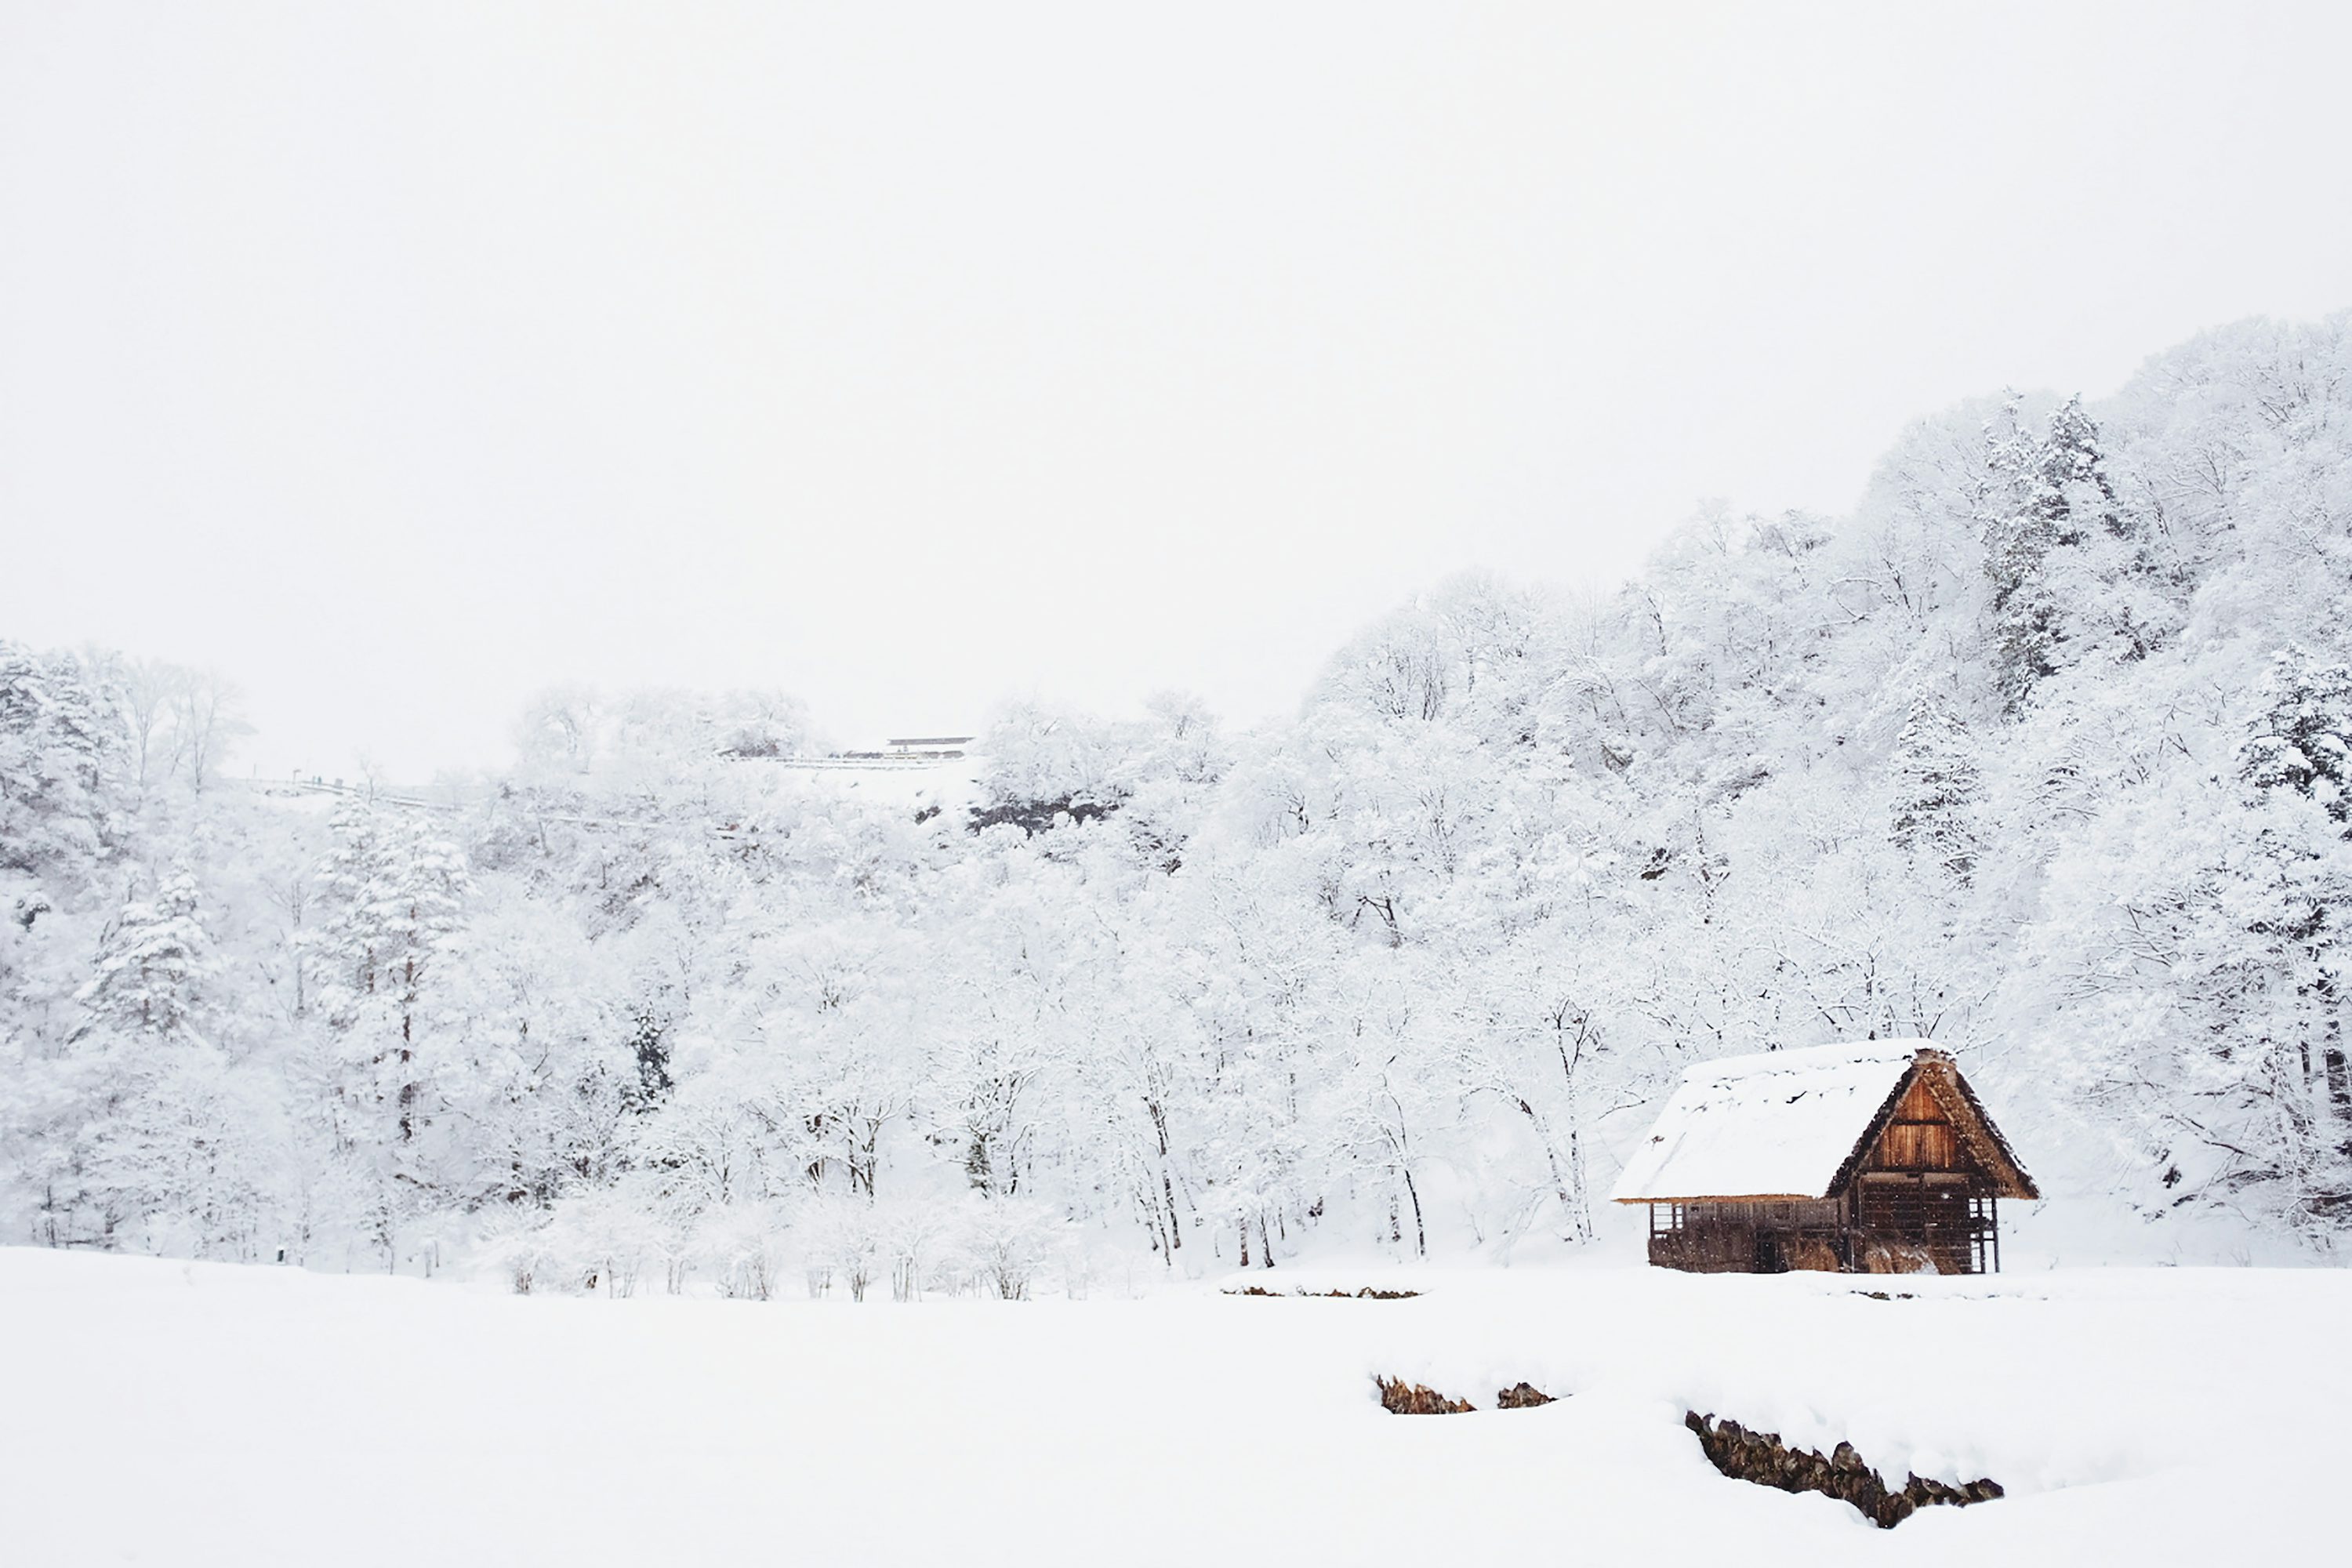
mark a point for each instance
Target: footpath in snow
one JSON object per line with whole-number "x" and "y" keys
{"x": 183, "y": 1414}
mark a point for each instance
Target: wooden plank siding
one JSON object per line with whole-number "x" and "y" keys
{"x": 1918, "y": 1146}
{"x": 1920, "y": 1136}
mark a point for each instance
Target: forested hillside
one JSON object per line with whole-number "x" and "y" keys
{"x": 2042, "y": 752}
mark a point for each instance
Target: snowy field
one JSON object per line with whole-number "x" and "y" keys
{"x": 175, "y": 1413}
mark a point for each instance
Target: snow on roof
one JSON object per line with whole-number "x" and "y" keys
{"x": 1777, "y": 1125}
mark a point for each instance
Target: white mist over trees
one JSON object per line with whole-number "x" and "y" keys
{"x": 2044, "y": 752}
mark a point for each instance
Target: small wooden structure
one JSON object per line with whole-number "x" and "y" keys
{"x": 1875, "y": 1157}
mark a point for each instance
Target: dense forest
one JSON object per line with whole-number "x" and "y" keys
{"x": 2042, "y": 751}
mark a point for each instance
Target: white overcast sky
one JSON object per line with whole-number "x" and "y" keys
{"x": 397, "y": 360}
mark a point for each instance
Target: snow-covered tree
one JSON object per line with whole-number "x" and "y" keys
{"x": 2301, "y": 739}
{"x": 153, "y": 959}
{"x": 60, "y": 742}
{"x": 1934, "y": 776}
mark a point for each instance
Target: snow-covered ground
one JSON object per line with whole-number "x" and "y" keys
{"x": 175, "y": 1413}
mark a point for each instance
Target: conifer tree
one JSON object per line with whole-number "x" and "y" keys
{"x": 2021, "y": 522}
{"x": 2300, "y": 738}
{"x": 396, "y": 893}
{"x": 151, "y": 1148}
{"x": 2048, "y": 502}
{"x": 58, "y": 742}
{"x": 1934, "y": 780}
{"x": 2074, "y": 492}
{"x": 152, "y": 962}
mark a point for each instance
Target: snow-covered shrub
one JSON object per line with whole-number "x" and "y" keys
{"x": 1004, "y": 1243}
{"x": 741, "y": 1245}
{"x": 909, "y": 1233}
{"x": 513, "y": 1244}
{"x": 599, "y": 1241}
{"x": 840, "y": 1238}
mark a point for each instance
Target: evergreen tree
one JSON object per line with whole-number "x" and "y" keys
{"x": 396, "y": 894}
{"x": 152, "y": 962}
{"x": 59, "y": 737}
{"x": 2055, "y": 540}
{"x": 345, "y": 942}
{"x": 2300, "y": 738}
{"x": 2073, "y": 493}
{"x": 1935, "y": 779}
{"x": 2021, "y": 522}
{"x": 150, "y": 1144}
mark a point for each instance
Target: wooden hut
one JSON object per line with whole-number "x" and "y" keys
{"x": 1874, "y": 1157}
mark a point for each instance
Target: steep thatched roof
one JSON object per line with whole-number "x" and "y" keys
{"x": 1797, "y": 1124}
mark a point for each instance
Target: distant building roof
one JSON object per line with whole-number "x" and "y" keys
{"x": 927, "y": 741}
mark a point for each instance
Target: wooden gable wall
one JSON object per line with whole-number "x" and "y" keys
{"x": 1932, "y": 1127}
{"x": 1919, "y": 1136}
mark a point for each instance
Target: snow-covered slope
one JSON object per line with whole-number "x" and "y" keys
{"x": 204, "y": 1413}
{"x": 2036, "y": 752}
